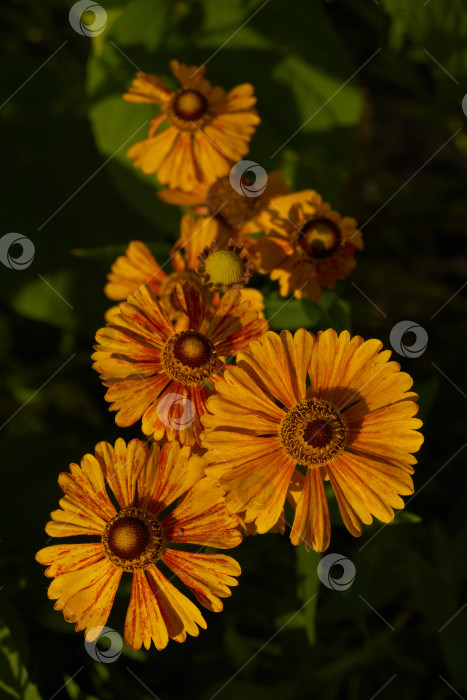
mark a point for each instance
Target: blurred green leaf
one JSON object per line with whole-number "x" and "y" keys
{"x": 142, "y": 22}
{"x": 307, "y": 587}
{"x": 438, "y": 29}
{"x": 14, "y": 676}
{"x": 291, "y": 313}
{"x": 75, "y": 692}
{"x": 404, "y": 517}
{"x": 46, "y": 298}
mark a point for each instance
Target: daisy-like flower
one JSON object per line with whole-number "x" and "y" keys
{"x": 138, "y": 266}
{"x": 236, "y": 215}
{"x": 138, "y": 536}
{"x": 308, "y": 246}
{"x": 299, "y": 410}
{"x": 225, "y": 268}
{"x": 163, "y": 375}
{"x": 207, "y": 128}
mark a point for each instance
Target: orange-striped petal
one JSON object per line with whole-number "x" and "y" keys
{"x": 202, "y": 518}
{"x": 208, "y": 576}
{"x": 144, "y": 622}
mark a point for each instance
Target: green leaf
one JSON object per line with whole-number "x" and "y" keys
{"x": 291, "y": 313}
{"x": 117, "y": 125}
{"x": 14, "y": 676}
{"x": 438, "y": 29}
{"x": 404, "y": 516}
{"x": 337, "y": 314}
{"x": 75, "y": 692}
{"x": 307, "y": 587}
{"x": 142, "y": 23}
{"x": 46, "y": 298}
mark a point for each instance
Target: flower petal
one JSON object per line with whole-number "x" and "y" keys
{"x": 312, "y": 524}
{"x": 62, "y": 558}
{"x": 167, "y": 475}
{"x": 201, "y": 517}
{"x": 86, "y": 596}
{"x": 208, "y": 576}
{"x": 144, "y": 622}
{"x": 122, "y": 466}
{"x": 180, "y": 615}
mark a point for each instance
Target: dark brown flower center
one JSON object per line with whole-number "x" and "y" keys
{"x": 192, "y": 349}
{"x": 320, "y": 238}
{"x": 189, "y": 357}
{"x": 313, "y": 432}
{"x": 232, "y": 209}
{"x": 318, "y": 433}
{"x": 133, "y": 539}
{"x": 190, "y": 105}
{"x": 128, "y": 537}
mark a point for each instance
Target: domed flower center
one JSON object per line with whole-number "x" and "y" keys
{"x": 128, "y": 537}
{"x": 229, "y": 207}
{"x": 133, "y": 539}
{"x": 189, "y": 357}
{"x": 318, "y": 433}
{"x": 225, "y": 267}
{"x": 192, "y": 349}
{"x": 189, "y": 105}
{"x": 320, "y": 238}
{"x": 313, "y": 432}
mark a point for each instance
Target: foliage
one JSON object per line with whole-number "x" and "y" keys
{"x": 67, "y": 184}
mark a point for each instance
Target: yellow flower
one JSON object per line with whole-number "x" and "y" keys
{"x": 308, "y": 246}
{"x": 208, "y": 129}
{"x": 136, "y": 537}
{"x": 164, "y": 376}
{"x": 297, "y": 411}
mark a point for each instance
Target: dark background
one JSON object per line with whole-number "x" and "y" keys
{"x": 400, "y": 114}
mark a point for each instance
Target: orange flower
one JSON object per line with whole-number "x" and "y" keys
{"x": 136, "y": 537}
{"x": 308, "y": 246}
{"x": 208, "y": 128}
{"x": 138, "y": 266}
{"x": 237, "y": 215}
{"x": 164, "y": 376}
{"x": 272, "y": 437}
